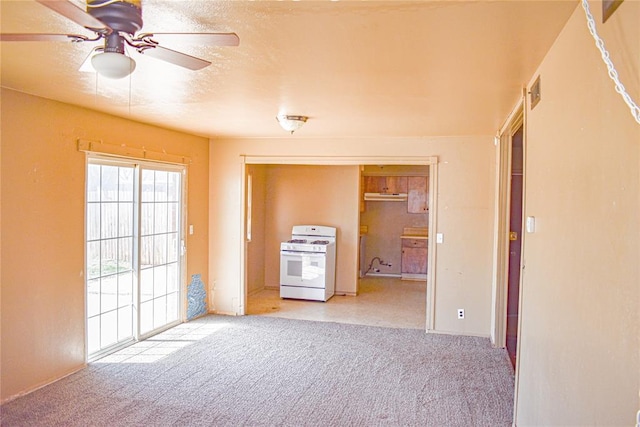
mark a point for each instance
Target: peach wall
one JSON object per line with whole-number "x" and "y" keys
{"x": 43, "y": 175}
{"x": 313, "y": 195}
{"x": 580, "y": 336}
{"x": 465, "y": 216}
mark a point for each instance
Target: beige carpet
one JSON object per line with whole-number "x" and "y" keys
{"x": 254, "y": 371}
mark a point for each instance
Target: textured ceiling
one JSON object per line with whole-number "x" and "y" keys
{"x": 357, "y": 68}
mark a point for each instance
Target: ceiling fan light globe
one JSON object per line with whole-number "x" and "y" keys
{"x": 113, "y": 65}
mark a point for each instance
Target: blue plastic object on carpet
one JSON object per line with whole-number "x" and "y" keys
{"x": 196, "y": 298}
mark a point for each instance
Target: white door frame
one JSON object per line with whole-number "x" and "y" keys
{"x": 431, "y": 161}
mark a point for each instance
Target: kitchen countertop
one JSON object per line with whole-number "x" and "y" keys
{"x": 415, "y": 233}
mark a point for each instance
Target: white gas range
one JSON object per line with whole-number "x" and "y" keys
{"x": 308, "y": 263}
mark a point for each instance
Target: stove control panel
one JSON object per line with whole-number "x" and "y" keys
{"x": 303, "y": 247}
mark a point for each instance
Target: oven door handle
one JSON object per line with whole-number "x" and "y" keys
{"x": 301, "y": 253}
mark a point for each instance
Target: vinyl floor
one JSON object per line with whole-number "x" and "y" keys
{"x": 381, "y": 301}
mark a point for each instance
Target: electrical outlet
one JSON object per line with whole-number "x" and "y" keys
{"x": 461, "y": 313}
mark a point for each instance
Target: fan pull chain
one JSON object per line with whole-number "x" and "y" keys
{"x": 129, "y": 94}
{"x": 613, "y": 74}
{"x": 95, "y": 99}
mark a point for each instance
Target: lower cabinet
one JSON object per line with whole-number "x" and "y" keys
{"x": 414, "y": 259}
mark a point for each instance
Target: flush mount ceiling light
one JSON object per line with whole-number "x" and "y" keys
{"x": 291, "y": 123}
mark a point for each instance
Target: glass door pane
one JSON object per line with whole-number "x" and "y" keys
{"x": 110, "y": 255}
{"x": 160, "y": 202}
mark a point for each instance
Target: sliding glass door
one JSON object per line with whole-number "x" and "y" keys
{"x": 159, "y": 249}
{"x": 133, "y": 251}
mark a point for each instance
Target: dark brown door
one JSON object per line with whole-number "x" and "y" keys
{"x": 515, "y": 243}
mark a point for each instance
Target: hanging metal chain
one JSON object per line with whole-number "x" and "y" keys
{"x": 635, "y": 110}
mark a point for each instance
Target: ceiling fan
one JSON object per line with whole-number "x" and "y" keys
{"x": 118, "y": 23}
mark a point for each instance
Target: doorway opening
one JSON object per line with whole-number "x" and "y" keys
{"x": 515, "y": 243}
{"x": 315, "y": 189}
{"x": 510, "y": 201}
{"x": 394, "y": 221}
{"x": 134, "y": 251}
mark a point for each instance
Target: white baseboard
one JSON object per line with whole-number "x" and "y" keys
{"x": 464, "y": 334}
{"x": 383, "y": 275}
{"x": 255, "y": 291}
{"x": 346, "y": 294}
{"x": 224, "y": 313}
{"x": 414, "y": 276}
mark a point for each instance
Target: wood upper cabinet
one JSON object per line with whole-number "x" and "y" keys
{"x": 385, "y": 184}
{"x": 414, "y": 257}
{"x": 417, "y": 200}
{"x": 373, "y": 184}
{"x": 396, "y": 184}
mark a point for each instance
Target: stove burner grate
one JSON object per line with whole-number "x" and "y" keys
{"x": 320, "y": 242}
{"x": 297, "y": 241}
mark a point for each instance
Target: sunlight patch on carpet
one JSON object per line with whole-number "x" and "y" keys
{"x": 162, "y": 345}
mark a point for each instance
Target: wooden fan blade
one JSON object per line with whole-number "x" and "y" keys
{"x": 177, "y": 58}
{"x": 8, "y": 37}
{"x": 212, "y": 39}
{"x": 74, "y": 13}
